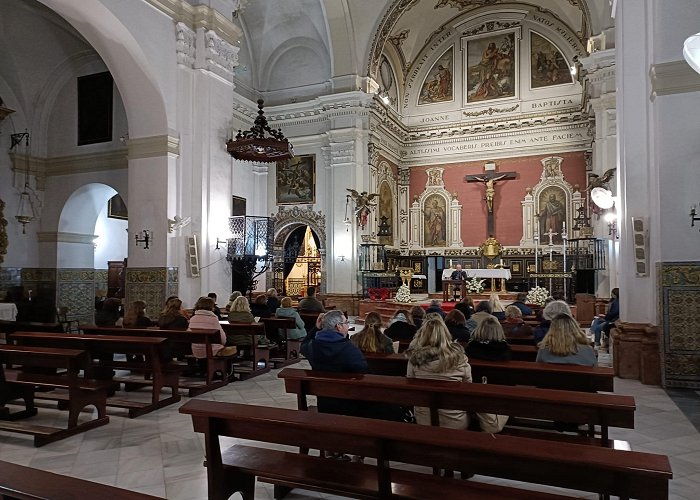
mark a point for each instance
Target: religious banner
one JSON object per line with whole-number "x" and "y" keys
{"x": 491, "y": 63}
{"x": 296, "y": 180}
{"x": 547, "y": 64}
{"x": 438, "y": 86}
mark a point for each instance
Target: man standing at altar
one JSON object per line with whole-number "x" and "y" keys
{"x": 458, "y": 274}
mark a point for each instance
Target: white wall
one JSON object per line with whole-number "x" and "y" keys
{"x": 113, "y": 239}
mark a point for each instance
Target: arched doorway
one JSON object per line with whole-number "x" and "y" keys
{"x": 301, "y": 265}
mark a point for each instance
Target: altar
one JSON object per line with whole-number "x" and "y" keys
{"x": 503, "y": 274}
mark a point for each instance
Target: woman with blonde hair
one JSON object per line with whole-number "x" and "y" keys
{"x": 497, "y": 308}
{"x": 172, "y": 317}
{"x": 565, "y": 343}
{"x": 552, "y": 309}
{"x": 240, "y": 313}
{"x": 433, "y": 355}
{"x": 135, "y": 316}
{"x": 371, "y": 338}
{"x": 488, "y": 342}
{"x": 287, "y": 311}
{"x": 514, "y": 326}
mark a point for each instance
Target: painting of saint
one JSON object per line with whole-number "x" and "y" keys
{"x": 434, "y": 223}
{"x": 296, "y": 180}
{"x": 386, "y": 209}
{"x": 437, "y": 86}
{"x": 491, "y": 63}
{"x": 552, "y": 214}
{"x": 547, "y": 64}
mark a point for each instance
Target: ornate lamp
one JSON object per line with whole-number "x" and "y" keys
{"x": 253, "y": 145}
{"x": 251, "y": 242}
{"x": 25, "y": 211}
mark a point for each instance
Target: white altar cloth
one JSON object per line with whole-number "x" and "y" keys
{"x": 480, "y": 273}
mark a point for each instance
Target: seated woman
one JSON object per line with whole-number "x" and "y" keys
{"x": 497, "y": 308}
{"x": 273, "y": 302}
{"x": 416, "y": 316}
{"x": 110, "y": 313}
{"x": 259, "y": 307}
{"x": 433, "y": 355}
{"x": 135, "y": 316}
{"x": 565, "y": 343}
{"x": 204, "y": 318}
{"x": 457, "y": 325}
{"x": 488, "y": 342}
{"x": 400, "y": 326}
{"x": 371, "y": 338}
{"x": 604, "y": 324}
{"x": 231, "y": 298}
{"x": 287, "y": 311}
{"x": 240, "y": 313}
{"x": 172, "y": 316}
{"x": 552, "y": 309}
{"x": 514, "y": 326}
{"x": 466, "y": 305}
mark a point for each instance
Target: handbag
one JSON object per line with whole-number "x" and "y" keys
{"x": 491, "y": 422}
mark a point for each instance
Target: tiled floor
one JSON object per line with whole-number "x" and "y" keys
{"x": 159, "y": 453}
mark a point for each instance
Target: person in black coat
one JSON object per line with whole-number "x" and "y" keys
{"x": 457, "y": 325}
{"x": 435, "y": 308}
{"x": 259, "y": 308}
{"x": 400, "y": 326}
{"x": 488, "y": 342}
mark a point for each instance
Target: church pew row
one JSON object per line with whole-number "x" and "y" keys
{"x": 150, "y": 356}
{"x": 603, "y": 410}
{"x": 18, "y": 482}
{"x": 518, "y": 352}
{"x": 181, "y": 342}
{"x": 50, "y": 368}
{"x": 277, "y": 330}
{"x": 253, "y": 359}
{"x": 600, "y": 470}
{"x": 548, "y": 376}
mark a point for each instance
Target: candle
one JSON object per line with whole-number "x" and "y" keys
{"x": 563, "y": 227}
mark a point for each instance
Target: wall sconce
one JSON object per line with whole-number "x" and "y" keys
{"x": 611, "y": 219}
{"x": 384, "y": 227}
{"x": 693, "y": 217}
{"x": 146, "y": 237}
{"x": 340, "y": 258}
{"x": 220, "y": 242}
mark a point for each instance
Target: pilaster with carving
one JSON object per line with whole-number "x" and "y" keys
{"x": 403, "y": 208}
{"x": 185, "y": 44}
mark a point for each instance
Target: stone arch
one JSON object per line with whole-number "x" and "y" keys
{"x": 282, "y": 71}
{"x": 129, "y": 66}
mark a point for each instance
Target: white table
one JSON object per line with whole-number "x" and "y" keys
{"x": 8, "y": 312}
{"x": 493, "y": 274}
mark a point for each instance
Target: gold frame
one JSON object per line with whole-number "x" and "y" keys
{"x": 117, "y": 210}
{"x": 307, "y": 173}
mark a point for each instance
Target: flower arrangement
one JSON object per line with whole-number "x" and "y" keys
{"x": 403, "y": 294}
{"x": 378, "y": 293}
{"x": 537, "y": 295}
{"x": 475, "y": 285}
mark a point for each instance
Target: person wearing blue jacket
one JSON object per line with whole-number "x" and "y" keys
{"x": 604, "y": 324}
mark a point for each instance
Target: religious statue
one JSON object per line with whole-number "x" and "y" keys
{"x": 363, "y": 203}
{"x": 489, "y": 182}
{"x": 490, "y": 248}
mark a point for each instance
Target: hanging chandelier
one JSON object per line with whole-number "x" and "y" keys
{"x": 253, "y": 145}
{"x": 25, "y": 211}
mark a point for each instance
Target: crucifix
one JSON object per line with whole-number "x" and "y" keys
{"x": 489, "y": 178}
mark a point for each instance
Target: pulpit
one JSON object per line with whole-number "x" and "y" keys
{"x": 448, "y": 287}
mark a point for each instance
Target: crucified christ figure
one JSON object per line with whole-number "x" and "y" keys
{"x": 490, "y": 189}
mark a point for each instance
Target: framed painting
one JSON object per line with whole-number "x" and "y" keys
{"x": 238, "y": 206}
{"x": 491, "y": 63}
{"x": 116, "y": 208}
{"x": 552, "y": 214}
{"x": 434, "y": 227}
{"x": 296, "y": 180}
{"x": 548, "y": 65}
{"x": 438, "y": 85}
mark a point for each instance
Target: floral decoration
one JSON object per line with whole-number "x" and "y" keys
{"x": 537, "y": 295}
{"x": 403, "y": 294}
{"x": 475, "y": 285}
{"x": 378, "y": 293}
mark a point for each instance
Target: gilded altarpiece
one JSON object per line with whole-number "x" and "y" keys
{"x": 679, "y": 310}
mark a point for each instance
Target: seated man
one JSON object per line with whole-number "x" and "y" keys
{"x": 310, "y": 303}
{"x": 604, "y": 324}
{"x": 458, "y": 274}
{"x": 519, "y": 302}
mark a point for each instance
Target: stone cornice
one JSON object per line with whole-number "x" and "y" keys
{"x": 149, "y": 147}
{"x": 60, "y": 237}
{"x": 200, "y": 16}
{"x": 673, "y": 78}
{"x": 73, "y": 164}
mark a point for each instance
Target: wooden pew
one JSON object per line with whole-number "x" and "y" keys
{"x": 545, "y": 375}
{"x": 518, "y": 352}
{"x": 184, "y": 339}
{"x": 18, "y": 482}
{"x": 309, "y": 319}
{"x": 603, "y": 410}
{"x": 37, "y": 365}
{"x": 594, "y": 469}
{"x": 156, "y": 363}
{"x": 288, "y": 350}
{"x": 257, "y": 360}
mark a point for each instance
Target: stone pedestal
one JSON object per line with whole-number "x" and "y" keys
{"x": 636, "y": 352}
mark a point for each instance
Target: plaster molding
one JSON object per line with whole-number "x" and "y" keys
{"x": 154, "y": 146}
{"x": 216, "y": 55}
{"x": 72, "y": 164}
{"x": 61, "y": 237}
{"x": 199, "y": 16}
{"x": 185, "y": 44}
{"x": 674, "y": 77}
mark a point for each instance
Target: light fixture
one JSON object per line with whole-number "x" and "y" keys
{"x": 347, "y": 221}
{"x": 251, "y": 243}
{"x": 220, "y": 242}
{"x": 602, "y": 197}
{"x": 384, "y": 227}
{"x": 693, "y": 217}
{"x": 146, "y": 237}
{"x": 4, "y": 111}
{"x": 252, "y": 145}
{"x": 611, "y": 219}
{"x": 25, "y": 210}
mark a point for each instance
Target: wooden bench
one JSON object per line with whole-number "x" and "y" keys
{"x": 309, "y": 319}
{"x": 545, "y": 375}
{"x": 517, "y": 352}
{"x": 38, "y": 369}
{"x": 18, "y": 482}
{"x": 256, "y": 360}
{"x": 603, "y": 410}
{"x": 156, "y": 363}
{"x": 288, "y": 351}
{"x": 184, "y": 339}
{"x": 594, "y": 469}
